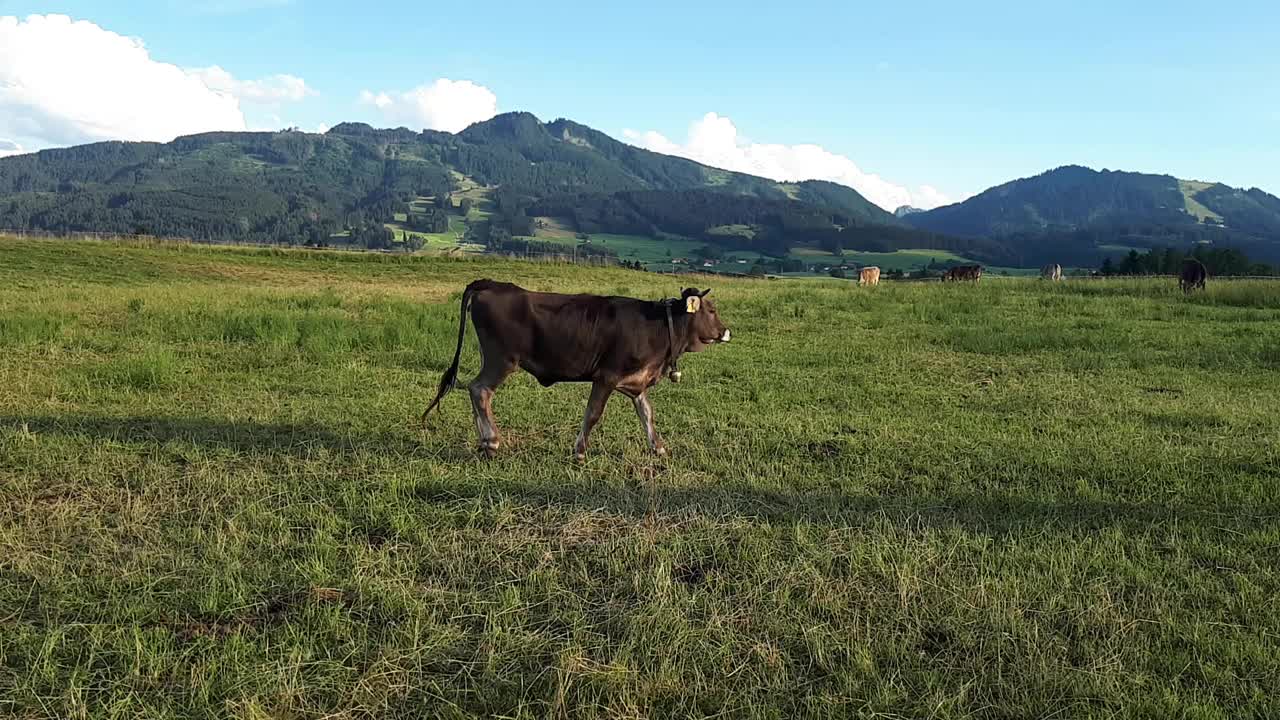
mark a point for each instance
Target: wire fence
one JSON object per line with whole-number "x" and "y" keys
{"x": 104, "y": 236}
{"x": 569, "y": 257}
{"x": 1066, "y": 277}
{"x": 565, "y": 258}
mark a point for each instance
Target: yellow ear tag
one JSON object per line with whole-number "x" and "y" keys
{"x": 692, "y": 303}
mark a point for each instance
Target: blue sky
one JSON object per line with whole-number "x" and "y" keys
{"x": 955, "y": 96}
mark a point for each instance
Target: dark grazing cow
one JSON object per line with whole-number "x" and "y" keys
{"x": 616, "y": 343}
{"x": 963, "y": 272}
{"x": 1193, "y": 275}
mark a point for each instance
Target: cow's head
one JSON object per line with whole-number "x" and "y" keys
{"x": 705, "y": 322}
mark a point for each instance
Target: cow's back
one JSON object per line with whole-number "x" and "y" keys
{"x": 565, "y": 338}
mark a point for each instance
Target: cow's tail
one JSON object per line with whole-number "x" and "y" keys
{"x": 450, "y": 378}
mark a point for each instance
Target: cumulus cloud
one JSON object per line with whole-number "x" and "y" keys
{"x": 446, "y": 104}
{"x": 714, "y": 140}
{"x": 65, "y": 81}
{"x": 272, "y": 124}
{"x": 928, "y": 197}
{"x": 271, "y": 90}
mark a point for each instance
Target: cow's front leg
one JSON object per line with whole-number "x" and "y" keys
{"x": 595, "y": 408}
{"x": 645, "y": 412}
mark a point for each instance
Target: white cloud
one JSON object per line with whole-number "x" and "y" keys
{"x": 446, "y": 104}
{"x": 65, "y": 82}
{"x": 270, "y": 90}
{"x": 9, "y": 147}
{"x": 714, "y": 141}
{"x": 930, "y": 197}
{"x": 272, "y": 124}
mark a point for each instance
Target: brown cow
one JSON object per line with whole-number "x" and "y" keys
{"x": 869, "y": 276}
{"x": 1194, "y": 275}
{"x": 616, "y": 343}
{"x": 963, "y": 272}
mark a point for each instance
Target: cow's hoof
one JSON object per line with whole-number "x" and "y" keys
{"x": 579, "y": 457}
{"x": 489, "y": 449}
{"x": 660, "y": 452}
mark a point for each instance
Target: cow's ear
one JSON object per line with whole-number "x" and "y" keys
{"x": 704, "y": 292}
{"x": 692, "y": 303}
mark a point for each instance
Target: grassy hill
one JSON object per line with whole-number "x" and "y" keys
{"x": 290, "y": 187}
{"x": 1074, "y": 212}
{"x": 917, "y": 500}
{"x": 509, "y": 181}
{"x": 357, "y": 186}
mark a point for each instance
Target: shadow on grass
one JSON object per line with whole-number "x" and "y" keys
{"x": 643, "y": 494}
{"x": 994, "y": 514}
{"x": 244, "y": 437}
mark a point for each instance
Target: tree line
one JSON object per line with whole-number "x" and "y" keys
{"x": 1169, "y": 261}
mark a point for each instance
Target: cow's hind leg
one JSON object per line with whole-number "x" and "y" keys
{"x": 600, "y": 393}
{"x": 496, "y": 368}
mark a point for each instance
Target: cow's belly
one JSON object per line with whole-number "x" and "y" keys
{"x": 635, "y": 379}
{"x": 548, "y": 376}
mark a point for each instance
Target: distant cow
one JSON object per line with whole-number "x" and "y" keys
{"x": 963, "y": 272}
{"x": 1194, "y": 275}
{"x": 1053, "y": 272}
{"x": 615, "y": 343}
{"x": 869, "y": 276}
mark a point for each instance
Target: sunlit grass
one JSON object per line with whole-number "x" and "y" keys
{"x": 1014, "y": 499}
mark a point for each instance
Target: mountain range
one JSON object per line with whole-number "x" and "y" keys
{"x": 1084, "y": 210}
{"x": 293, "y": 187}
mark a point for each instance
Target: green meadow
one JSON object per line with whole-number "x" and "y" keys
{"x": 1006, "y": 500}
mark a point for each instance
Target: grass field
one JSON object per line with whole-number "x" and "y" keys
{"x": 650, "y": 251}
{"x": 1194, "y": 207}
{"x": 906, "y": 260}
{"x": 1016, "y": 499}
{"x": 659, "y": 253}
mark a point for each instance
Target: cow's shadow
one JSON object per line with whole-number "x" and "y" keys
{"x": 645, "y": 495}
{"x": 995, "y": 514}
{"x": 216, "y": 434}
